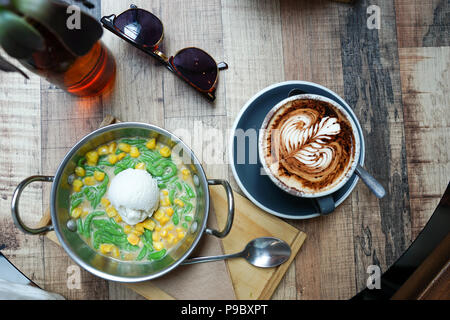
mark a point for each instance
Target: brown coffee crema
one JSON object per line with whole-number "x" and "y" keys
{"x": 308, "y": 145}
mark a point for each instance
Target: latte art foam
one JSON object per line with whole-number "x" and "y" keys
{"x": 307, "y": 141}
{"x": 308, "y": 145}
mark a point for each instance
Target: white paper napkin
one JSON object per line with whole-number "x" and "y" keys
{"x": 16, "y": 291}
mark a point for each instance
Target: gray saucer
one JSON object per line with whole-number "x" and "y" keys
{"x": 258, "y": 187}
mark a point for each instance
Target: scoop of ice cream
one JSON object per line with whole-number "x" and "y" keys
{"x": 135, "y": 195}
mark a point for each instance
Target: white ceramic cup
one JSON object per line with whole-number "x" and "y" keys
{"x": 324, "y": 199}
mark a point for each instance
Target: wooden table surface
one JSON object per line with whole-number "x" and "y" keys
{"x": 396, "y": 79}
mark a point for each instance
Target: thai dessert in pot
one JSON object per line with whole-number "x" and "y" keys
{"x": 132, "y": 199}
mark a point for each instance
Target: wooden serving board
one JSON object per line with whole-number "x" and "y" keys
{"x": 248, "y": 282}
{"x": 250, "y": 222}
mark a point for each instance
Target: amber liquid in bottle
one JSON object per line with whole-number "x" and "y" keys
{"x": 89, "y": 75}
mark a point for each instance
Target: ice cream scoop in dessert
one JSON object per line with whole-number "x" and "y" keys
{"x": 135, "y": 195}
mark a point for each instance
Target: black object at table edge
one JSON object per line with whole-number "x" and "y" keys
{"x": 437, "y": 228}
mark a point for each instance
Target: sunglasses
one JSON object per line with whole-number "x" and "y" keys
{"x": 145, "y": 31}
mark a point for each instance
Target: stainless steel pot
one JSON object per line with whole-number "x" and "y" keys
{"x": 83, "y": 254}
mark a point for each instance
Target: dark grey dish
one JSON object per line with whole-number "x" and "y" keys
{"x": 257, "y": 186}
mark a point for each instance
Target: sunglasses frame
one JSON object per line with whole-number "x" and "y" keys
{"x": 108, "y": 23}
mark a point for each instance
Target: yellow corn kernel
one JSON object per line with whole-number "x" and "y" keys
{"x": 102, "y": 150}
{"x": 175, "y": 241}
{"x": 165, "y": 202}
{"x": 127, "y": 229}
{"x": 133, "y": 239}
{"x": 112, "y": 147}
{"x": 165, "y": 192}
{"x": 89, "y": 181}
{"x": 180, "y": 235}
{"x": 134, "y": 152}
{"x": 155, "y": 236}
{"x": 170, "y": 238}
{"x": 139, "y": 227}
{"x": 158, "y": 228}
{"x": 118, "y": 218}
{"x": 79, "y": 171}
{"x": 115, "y": 252}
{"x": 84, "y": 213}
{"x": 158, "y": 245}
{"x": 140, "y": 166}
{"x": 179, "y": 202}
{"x": 163, "y": 233}
{"x": 158, "y": 214}
{"x": 149, "y": 224}
{"x": 105, "y": 248}
{"x": 121, "y": 155}
{"x": 105, "y": 202}
{"x": 125, "y": 147}
{"x": 165, "y": 152}
{"x": 92, "y": 158}
{"x": 169, "y": 211}
{"x": 170, "y": 227}
{"x": 164, "y": 220}
{"x": 185, "y": 173}
{"x": 151, "y": 143}
{"x": 77, "y": 184}
{"x": 137, "y": 232}
{"x": 76, "y": 213}
{"x": 99, "y": 176}
{"x": 112, "y": 158}
{"x": 111, "y": 211}
{"x": 179, "y": 229}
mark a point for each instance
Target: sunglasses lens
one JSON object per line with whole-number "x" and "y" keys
{"x": 196, "y": 66}
{"x": 141, "y": 26}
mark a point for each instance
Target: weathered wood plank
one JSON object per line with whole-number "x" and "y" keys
{"x": 310, "y": 43}
{"x": 206, "y": 137}
{"x": 198, "y": 122}
{"x": 66, "y": 119}
{"x": 20, "y": 129}
{"x": 253, "y": 49}
{"x": 118, "y": 291}
{"x": 422, "y": 23}
{"x": 372, "y": 87}
{"x": 198, "y": 24}
{"x": 138, "y": 91}
{"x": 310, "y": 46}
{"x": 252, "y": 42}
{"x": 287, "y": 289}
{"x": 425, "y": 83}
{"x": 187, "y": 113}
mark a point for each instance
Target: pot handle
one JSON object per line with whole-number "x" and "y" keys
{"x": 15, "y": 205}
{"x": 230, "y": 199}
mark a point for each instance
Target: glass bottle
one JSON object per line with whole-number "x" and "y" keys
{"x": 89, "y": 75}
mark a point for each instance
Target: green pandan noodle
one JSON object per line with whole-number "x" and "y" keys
{"x": 99, "y": 225}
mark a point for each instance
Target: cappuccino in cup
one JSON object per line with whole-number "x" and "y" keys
{"x": 309, "y": 145}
